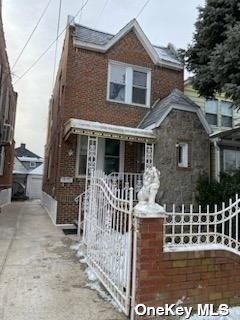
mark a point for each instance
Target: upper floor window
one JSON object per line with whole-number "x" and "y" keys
{"x": 219, "y": 113}
{"x": 129, "y": 84}
{"x": 226, "y": 114}
{"x": 211, "y": 111}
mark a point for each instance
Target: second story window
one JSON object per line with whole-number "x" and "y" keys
{"x": 129, "y": 84}
{"x": 117, "y": 83}
{"x": 211, "y": 111}
{"x": 226, "y": 114}
{"x": 219, "y": 113}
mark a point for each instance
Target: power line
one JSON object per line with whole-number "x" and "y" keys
{"x": 56, "y": 48}
{"x": 80, "y": 15}
{"x": 142, "y": 9}
{"x": 100, "y": 15}
{"x": 32, "y": 33}
{"x": 51, "y": 44}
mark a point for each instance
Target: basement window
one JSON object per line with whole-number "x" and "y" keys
{"x": 182, "y": 155}
{"x": 129, "y": 84}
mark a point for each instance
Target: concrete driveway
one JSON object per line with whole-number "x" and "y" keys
{"x": 40, "y": 277}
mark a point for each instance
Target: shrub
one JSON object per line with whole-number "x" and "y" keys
{"x": 213, "y": 192}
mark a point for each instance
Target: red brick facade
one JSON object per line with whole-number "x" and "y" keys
{"x": 191, "y": 277}
{"x": 8, "y": 101}
{"x": 81, "y": 92}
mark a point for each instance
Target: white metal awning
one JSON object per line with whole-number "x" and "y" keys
{"x": 97, "y": 129}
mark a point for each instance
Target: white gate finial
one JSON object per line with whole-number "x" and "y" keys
{"x": 147, "y": 195}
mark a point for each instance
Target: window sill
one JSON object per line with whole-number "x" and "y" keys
{"x": 184, "y": 168}
{"x": 129, "y": 104}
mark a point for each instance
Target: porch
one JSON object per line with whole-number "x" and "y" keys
{"x": 122, "y": 153}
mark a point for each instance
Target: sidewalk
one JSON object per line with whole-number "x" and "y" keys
{"x": 40, "y": 277}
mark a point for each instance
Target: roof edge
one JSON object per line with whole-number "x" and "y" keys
{"x": 132, "y": 25}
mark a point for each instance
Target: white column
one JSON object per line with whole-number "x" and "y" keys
{"x": 149, "y": 153}
{"x": 91, "y": 158}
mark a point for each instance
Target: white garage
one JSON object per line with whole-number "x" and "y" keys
{"x": 34, "y": 183}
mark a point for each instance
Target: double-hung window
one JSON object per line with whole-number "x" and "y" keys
{"x": 219, "y": 113}
{"x": 211, "y": 111}
{"x": 117, "y": 83}
{"x": 226, "y": 114}
{"x": 129, "y": 84}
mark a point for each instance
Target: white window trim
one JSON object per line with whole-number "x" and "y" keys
{"x": 224, "y": 158}
{"x": 128, "y": 89}
{"x": 219, "y": 114}
{"x": 185, "y": 161}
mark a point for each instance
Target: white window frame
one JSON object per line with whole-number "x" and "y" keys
{"x": 185, "y": 156}
{"x": 219, "y": 114}
{"x": 2, "y": 160}
{"x": 236, "y": 152}
{"x": 129, "y": 83}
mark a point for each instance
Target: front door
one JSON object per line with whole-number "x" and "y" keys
{"x": 112, "y": 156}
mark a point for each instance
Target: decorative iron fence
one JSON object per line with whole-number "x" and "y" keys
{"x": 187, "y": 230}
{"x": 107, "y": 234}
{"x": 126, "y": 180}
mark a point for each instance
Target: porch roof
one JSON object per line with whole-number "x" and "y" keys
{"x": 91, "y": 128}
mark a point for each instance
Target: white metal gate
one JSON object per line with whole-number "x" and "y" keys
{"x": 107, "y": 234}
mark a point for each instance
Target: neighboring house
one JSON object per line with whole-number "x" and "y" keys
{"x": 224, "y": 120}
{"x": 8, "y": 102}
{"x": 118, "y": 107}
{"x": 27, "y": 174}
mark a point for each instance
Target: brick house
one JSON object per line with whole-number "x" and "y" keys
{"x": 118, "y": 106}
{"x": 8, "y": 101}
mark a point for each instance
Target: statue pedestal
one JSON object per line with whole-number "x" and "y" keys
{"x": 149, "y": 210}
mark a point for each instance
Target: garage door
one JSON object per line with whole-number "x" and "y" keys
{"x": 34, "y": 187}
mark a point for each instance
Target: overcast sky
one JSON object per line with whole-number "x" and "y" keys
{"x": 163, "y": 21}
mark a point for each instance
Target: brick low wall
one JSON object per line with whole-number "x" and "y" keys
{"x": 189, "y": 277}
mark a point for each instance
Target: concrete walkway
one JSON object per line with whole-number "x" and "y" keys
{"x": 40, "y": 277}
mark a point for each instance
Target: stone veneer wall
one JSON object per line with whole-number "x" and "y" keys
{"x": 178, "y": 185}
